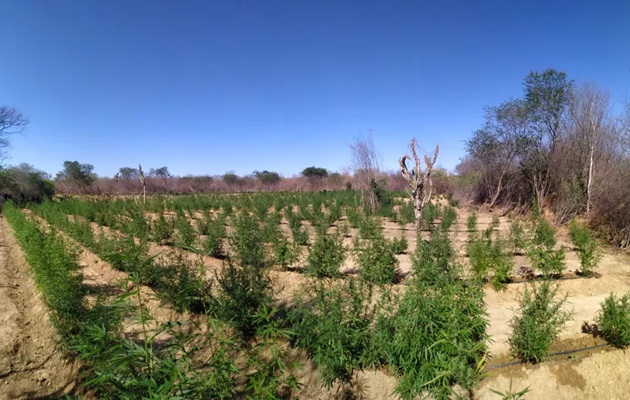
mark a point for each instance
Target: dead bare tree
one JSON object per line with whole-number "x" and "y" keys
{"x": 144, "y": 186}
{"x": 589, "y": 108}
{"x": 366, "y": 169}
{"x": 11, "y": 122}
{"x": 420, "y": 182}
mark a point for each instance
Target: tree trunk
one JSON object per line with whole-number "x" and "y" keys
{"x": 590, "y": 170}
{"x": 498, "y": 191}
{"x": 418, "y": 203}
{"x": 420, "y": 192}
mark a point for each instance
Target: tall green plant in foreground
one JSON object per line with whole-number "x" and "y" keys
{"x": 539, "y": 321}
{"x": 244, "y": 281}
{"x": 613, "y": 320}
{"x": 586, "y": 246}
{"x": 436, "y": 338}
{"x": 121, "y": 367}
{"x": 335, "y": 327}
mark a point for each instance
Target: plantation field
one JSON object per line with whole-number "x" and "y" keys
{"x": 223, "y": 296}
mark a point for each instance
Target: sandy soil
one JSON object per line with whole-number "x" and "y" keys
{"x": 30, "y": 365}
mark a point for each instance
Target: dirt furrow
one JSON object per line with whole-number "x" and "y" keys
{"x": 30, "y": 364}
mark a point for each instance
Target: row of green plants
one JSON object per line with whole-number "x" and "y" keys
{"x": 238, "y": 300}
{"x": 432, "y": 336}
{"x": 491, "y": 254}
{"x": 365, "y": 308}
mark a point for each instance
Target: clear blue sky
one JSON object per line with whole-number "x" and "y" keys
{"x": 206, "y": 87}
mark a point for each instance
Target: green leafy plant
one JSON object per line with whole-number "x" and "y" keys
{"x": 436, "y": 339}
{"x": 510, "y": 394}
{"x": 326, "y": 256}
{"x": 406, "y": 212}
{"x": 377, "y": 261}
{"x": 613, "y": 320}
{"x": 586, "y": 246}
{"x": 285, "y": 252}
{"x": 518, "y": 237}
{"x": 213, "y": 244}
{"x": 400, "y": 244}
{"x": 539, "y": 321}
{"x": 186, "y": 234}
{"x": 335, "y": 328}
{"x": 471, "y": 222}
{"x": 430, "y": 212}
{"x": 488, "y": 255}
{"x": 433, "y": 261}
{"x": 162, "y": 230}
{"x": 449, "y": 216}
{"x": 542, "y": 253}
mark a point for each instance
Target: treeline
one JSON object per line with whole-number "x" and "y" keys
{"x": 559, "y": 147}
{"x": 160, "y": 181}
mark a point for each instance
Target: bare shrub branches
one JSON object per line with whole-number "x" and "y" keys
{"x": 420, "y": 182}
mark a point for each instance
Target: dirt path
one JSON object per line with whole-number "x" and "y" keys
{"x": 30, "y": 366}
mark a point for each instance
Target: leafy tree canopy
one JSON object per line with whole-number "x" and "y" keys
{"x": 315, "y": 172}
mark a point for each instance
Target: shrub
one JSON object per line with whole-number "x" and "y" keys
{"x": 335, "y": 328}
{"x": 370, "y": 228}
{"x": 488, "y": 255}
{"x": 326, "y": 256}
{"x": 449, "y": 216}
{"x": 119, "y": 367}
{"x": 495, "y": 221}
{"x": 285, "y": 252}
{"x": 246, "y": 244}
{"x": 244, "y": 291}
{"x": 614, "y": 320}
{"x": 471, "y": 222}
{"x": 377, "y": 261}
{"x": 436, "y": 339}
{"x": 517, "y": 236}
{"x": 430, "y": 212}
{"x": 538, "y": 323}
{"x": 186, "y": 234}
{"x": 400, "y": 245}
{"x": 587, "y": 247}
{"x": 215, "y": 235}
{"x": 162, "y": 230}
{"x": 25, "y": 184}
{"x": 542, "y": 254}
{"x": 433, "y": 260}
{"x": 56, "y": 271}
{"x": 407, "y": 215}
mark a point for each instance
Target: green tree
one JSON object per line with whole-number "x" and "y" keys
{"x": 25, "y": 183}
{"x": 496, "y": 148}
{"x": 161, "y": 172}
{"x": 128, "y": 173}
{"x": 315, "y": 172}
{"x": 267, "y": 177}
{"x": 547, "y": 96}
{"x": 231, "y": 178}
{"x": 76, "y": 174}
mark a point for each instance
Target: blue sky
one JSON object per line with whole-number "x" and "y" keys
{"x": 206, "y": 87}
